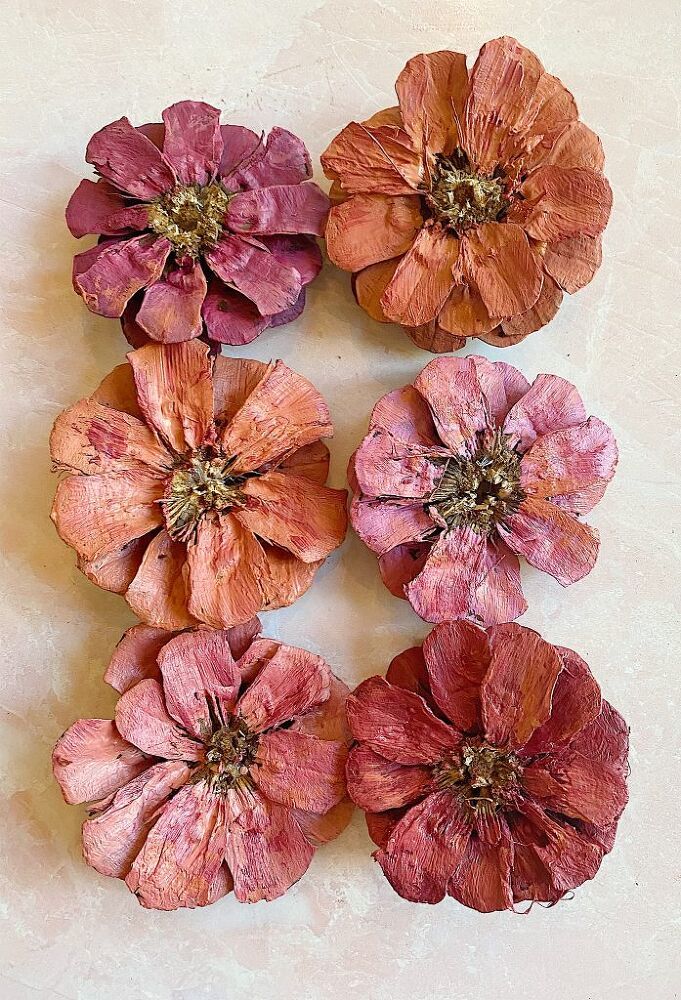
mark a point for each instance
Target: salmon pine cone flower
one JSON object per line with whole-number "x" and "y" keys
{"x": 467, "y": 469}
{"x": 206, "y": 230}
{"x": 489, "y": 768}
{"x": 222, "y": 770}
{"x": 468, "y": 209}
{"x": 195, "y": 486}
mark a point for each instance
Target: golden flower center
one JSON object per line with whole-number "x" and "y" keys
{"x": 484, "y": 776}
{"x": 200, "y": 484}
{"x": 190, "y": 217}
{"x": 480, "y": 492}
{"x": 230, "y": 754}
{"x": 460, "y": 198}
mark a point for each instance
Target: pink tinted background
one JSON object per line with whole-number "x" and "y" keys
{"x": 311, "y": 66}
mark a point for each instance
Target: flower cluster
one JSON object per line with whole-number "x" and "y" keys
{"x": 471, "y": 207}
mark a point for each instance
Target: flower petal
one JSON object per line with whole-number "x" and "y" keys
{"x": 319, "y": 830}
{"x": 171, "y": 308}
{"x": 175, "y": 391}
{"x": 426, "y": 848}
{"x": 284, "y": 412}
{"x": 225, "y": 565}
{"x": 284, "y": 578}
{"x": 452, "y": 390}
{"x": 464, "y": 314}
{"x": 287, "y": 208}
{"x": 116, "y": 570}
{"x": 605, "y": 739}
{"x": 576, "y": 702}
{"x": 98, "y": 515}
{"x": 200, "y": 680}
{"x": 108, "y": 275}
{"x": 380, "y": 826}
{"x": 405, "y": 413}
{"x": 369, "y": 228}
{"x": 399, "y": 566}
{"x": 301, "y": 771}
{"x": 432, "y": 90}
{"x": 571, "y": 467}
{"x": 291, "y": 683}
{"x": 240, "y": 147}
{"x": 234, "y": 379}
{"x": 306, "y": 519}
{"x": 282, "y": 160}
{"x": 376, "y": 784}
{"x": 444, "y": 589}
{"x": 423, "y": 279}
{"x": 577, "y": 787}
{"x": 130, "y": 160}
{"x": 158, "y": 594}
{"x": 457, "y": 656}
{"x": 299, "y": 252}
{"x": 91, "y": 760}
{"x": 562, "y": 202}
{"x": 266, "y": 851}
{"x": 112, "y": 839}
{"x": 515, "y": 329}
{"x": 142, "y": 719}
{"x": 550, "y": 404}
{"x": 384, "y": 524}
{"x": 328, "y": 721}
{"x": 498, "y": 259}
{"x": 432, "y": 337}
{"x": 373, "y": 158}
{"x": 551, "y": 540}
{"x": 90, "y": 208}
{"x": 192, "y": 141}
{"x": 369, "y": 284}
{"x": 398, "y": 725}
{"x": 572, "y": 263}
{"x": 517, "y": 689}
{"x": 498, "y": 595}
{"x": 483, "y": 879}
{"x": 251, "y": 269}
{"x": 408, "y": 670}
{"x": 183, "y": 852}
{"x": 310, "y": 462}
{"x": 502, "y": 386}
{"x": 118, "y": 390}
{"x": 134, "y": 658}
{"x": 570, "y": 857}
{"x": 386, "y": 467}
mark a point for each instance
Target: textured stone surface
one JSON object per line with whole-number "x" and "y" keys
{"x": 311, "y": 66}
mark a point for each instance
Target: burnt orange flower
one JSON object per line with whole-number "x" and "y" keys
{"x": 196, "y": 486}
{"x": 471, "y": 207}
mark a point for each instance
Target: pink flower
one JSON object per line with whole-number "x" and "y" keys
{"x": 204, "y": 228}
{"x": 470, "y": 467}
{"x": 222, "y": 770}
{"x": 489, "y": 768}
{"x": 195, "y": 486}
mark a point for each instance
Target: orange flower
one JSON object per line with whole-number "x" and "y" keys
{"x": 196, "y": 486}
{"x": 468, "y": 210}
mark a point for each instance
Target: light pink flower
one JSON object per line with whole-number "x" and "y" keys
{"x": 467, "y": 469}
{"x": 222, "y": 770}
{"x": 489, "y": 768}
{"x": 205, "y": 229}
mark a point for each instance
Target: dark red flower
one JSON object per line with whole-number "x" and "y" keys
{"x": 471, "y": 207}
{"x": 223, "y": 768}
{"x": 470, "y": 467}
{"x": 205, "y": 229}
{"x": 489, "y": 768}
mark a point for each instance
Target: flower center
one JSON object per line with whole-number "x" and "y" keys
{"x": 190, "y": 216}
{"x": 484, "y": 776}
{"x": 200, "y": 484}
{"x": 480, "y": 492}
{"x": 460, "y": 198}
{"x": 230, "y": 754}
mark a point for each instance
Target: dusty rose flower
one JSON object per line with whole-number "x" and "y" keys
{"x": 489, "y": 768}
{"x": 222, "y": 770}
{"x": 470, "y": 467}
{"x": 202, "y": 227}
{"x": 196, "y": 485}
{"x": 471, "y": 207}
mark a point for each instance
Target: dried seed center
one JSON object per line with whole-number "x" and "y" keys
{"x": 200, "y": 484}
{"x": 230, "y": 754}
{"x": 483, "y": 775}
{"x": 460, "y": 198}
{"x": 480, "y": 492}
{"x": 190, "y": 216}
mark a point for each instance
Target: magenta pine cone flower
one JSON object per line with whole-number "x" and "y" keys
{"x": 205, "y": 229}
{"x": 222, "y": 770}
{"x": 489, "y": 768}
{"x": 467, "y": 469}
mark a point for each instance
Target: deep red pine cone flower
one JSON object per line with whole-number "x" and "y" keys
{"x": 195, "y": 486}
{"x": 205, "y": 229}
{"x": 489, "y": 768}
{"x": 471, "y": 207}
{"x": 467, "y": 469}
{"x": 222, "y": 770}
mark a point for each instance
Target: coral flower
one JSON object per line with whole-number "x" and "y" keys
{"x": 471, "y": 207}
{"x": 222, "y": 770}
{"x": 196, "y": 485}
{"x": 470, "y": 467}
{"x": 204, "y": 228}
{"x": 489, "y": 768}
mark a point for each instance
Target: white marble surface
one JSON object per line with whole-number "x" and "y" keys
{"x": 67, "y": 68}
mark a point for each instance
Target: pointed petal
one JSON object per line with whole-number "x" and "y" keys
{"x": 116, "y": 570}
{"x": 301, "y": 771}
{"x": 287, "y": 208}
{"x": 134, "y": 658}
{"x": 142, "y": 719}
{"x": 291, "y": 683}
{"x": 452, "y": 390}
{"x": 551, "y": 540}
{"x": 423, "y": 279}
{"x": 457, "y": 656}
{"x": 118, "y": 390}
{"x": 192, "y": 141}
{"x": 130, "y": 160}
{"x": 108, "y": 275}
{"x": 90, "y": 208}
{"x": 91, "y": 760}
{"x": 399, "y": 566}
{"x": 369, "y": 228}
{"x": 502, "y": 386}
{"x": 550, "y": 404}
{"x": 200, "y": 680}
{"x": 432, "y": 90}
{"x": 171, "y": 308}
{"x": 158, "y": 594}
{"x": 251, "y": 269}
{"x": 444, "y": 589}
{"x": 225, "y": 565}
{"x": 376, "y": 784}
